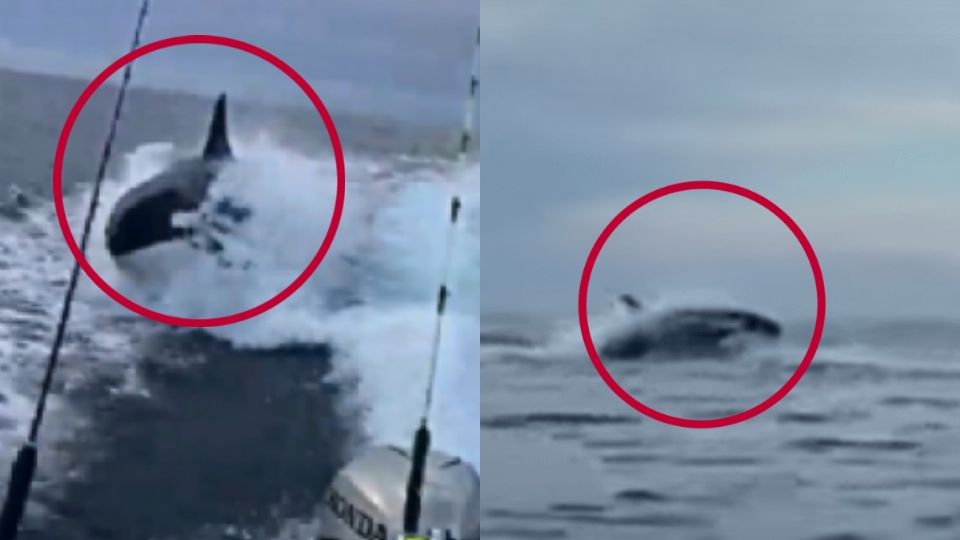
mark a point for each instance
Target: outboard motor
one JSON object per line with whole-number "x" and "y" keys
{"x": 366, "y": 499}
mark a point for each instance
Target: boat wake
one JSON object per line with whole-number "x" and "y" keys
{"x": 371, "y": 300}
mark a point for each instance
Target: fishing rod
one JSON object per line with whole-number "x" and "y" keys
{"x": 421, "y": 441}
{"x": 25, "y": 465}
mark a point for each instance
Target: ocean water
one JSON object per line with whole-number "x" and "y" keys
{"x": 233, "y": 432}
{"x": 864, "y": 448}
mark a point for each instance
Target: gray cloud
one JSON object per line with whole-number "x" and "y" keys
{"x": 842, "y": 113}
{"x": 409, "y": 60}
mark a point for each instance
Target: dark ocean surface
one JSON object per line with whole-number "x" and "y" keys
{"x": 864, "y": 448}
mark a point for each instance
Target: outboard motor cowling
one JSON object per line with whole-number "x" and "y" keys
{"x": 366, "y": 499}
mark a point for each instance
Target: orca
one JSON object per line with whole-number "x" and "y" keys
{"x": 143, "y": 216}
{"x": 16, "y": 204}
{"x": 684, "y": 331}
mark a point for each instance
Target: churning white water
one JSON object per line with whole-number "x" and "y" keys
{"x": 372, "y": 298}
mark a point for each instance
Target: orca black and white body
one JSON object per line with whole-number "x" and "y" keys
{"x": 143, "y": 217}
{"x": 684, "y": 331}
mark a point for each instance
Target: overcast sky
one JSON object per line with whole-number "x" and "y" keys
{"x": 382, "y": 56}
{"x": 846, "y": 114}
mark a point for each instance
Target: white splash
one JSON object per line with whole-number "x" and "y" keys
{"x": 373, "y": 296}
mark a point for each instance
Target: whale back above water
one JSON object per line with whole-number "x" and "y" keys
{"x": 687, "y": 331}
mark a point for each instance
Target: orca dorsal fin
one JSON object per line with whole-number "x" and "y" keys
{"x": 218, "y": 146}
{"x": 627, "y": 303}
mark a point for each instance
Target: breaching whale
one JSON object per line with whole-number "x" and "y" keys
{"x": 143, "y": 216}
{"x": 686, "y": 331}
